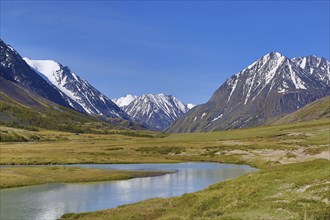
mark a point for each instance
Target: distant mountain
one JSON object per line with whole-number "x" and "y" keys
{"x": 314, "y": 110}
{"x": 125, "y": 100}
{"x": 82, "y": 96}
{"x": 156, "y": 111}
{"x": 14, "y": 69}
{"x": 271, "y": 87}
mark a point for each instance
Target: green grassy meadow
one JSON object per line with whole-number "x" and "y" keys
{"x": 259, "y": 147}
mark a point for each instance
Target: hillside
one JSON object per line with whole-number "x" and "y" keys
{"x": 37, "y": 113}
{"x": 20, "y": 108}
{"x": 315, "y": 110}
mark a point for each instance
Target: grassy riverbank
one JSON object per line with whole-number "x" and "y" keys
{"x": 294, "y": 191}
{"x": 25, "y": 176}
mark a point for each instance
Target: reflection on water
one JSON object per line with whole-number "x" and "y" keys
{"x": 50, "y": 201}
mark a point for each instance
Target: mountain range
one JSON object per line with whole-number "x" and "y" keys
{"x": 57, "y": 83}
{"x": 156, "y": 111}
{"x": 269, "y": 88}
{"x": 29, "y": 100}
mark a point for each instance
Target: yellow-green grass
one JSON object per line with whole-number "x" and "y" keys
{"x": 260, "y": 147}
{"x": 290, "y": 185}
{"x": 25, "y": 176}
{"x": 294, "y": 191}
{"x": 10, "y": 134}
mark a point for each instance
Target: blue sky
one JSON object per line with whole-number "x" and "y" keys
{"x": 183, "y": 48}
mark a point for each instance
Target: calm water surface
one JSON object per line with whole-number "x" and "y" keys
{"x": 50, "y": 201}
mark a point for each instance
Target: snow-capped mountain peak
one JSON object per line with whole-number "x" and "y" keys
{"x": 190, "y": 105}
{"x": 78, "y": 92}
{"x": 268, "y": 88}
{"x": 125, "y": 100}
{"x": 271, "y": 71}
{"x": 50, "y": 70}
{"x": 157, "y": 111}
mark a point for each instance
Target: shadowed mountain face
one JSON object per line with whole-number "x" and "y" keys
{"x": 272, "y": 86}
{"x": 14, "y": 69}
{"x": 18, "y": 94}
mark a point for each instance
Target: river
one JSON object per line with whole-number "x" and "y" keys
{"x": 50, "y": 201}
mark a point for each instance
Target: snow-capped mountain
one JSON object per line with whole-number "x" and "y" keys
{"x": 14, "y": 69}
{"x": 125, "y": 100}
{"x": 317, "y": 67}
{"x": 190, "y": 105}
{"x": 157, "y": 111}
{"x": 77, "y": 92}
{"x": 272, "y": 86}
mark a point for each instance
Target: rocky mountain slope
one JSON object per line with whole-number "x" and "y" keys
{"x": 78, "y": 93}
{"x": 317, "y": 67}
{"x": 14, "y": 69}
{"x": 269, "y": 88}
{"x": 156, "y": 111}
{"x": 22, "y": 108}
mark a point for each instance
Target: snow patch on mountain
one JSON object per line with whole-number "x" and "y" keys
{"x": 49, "y": 70}
{"x": 232, "y": 83}
{"x": 190, "y": 106}
{"x": 125, "y": 100}
{"x": 217, "y": 118}
{"x": 303, "y": 63}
